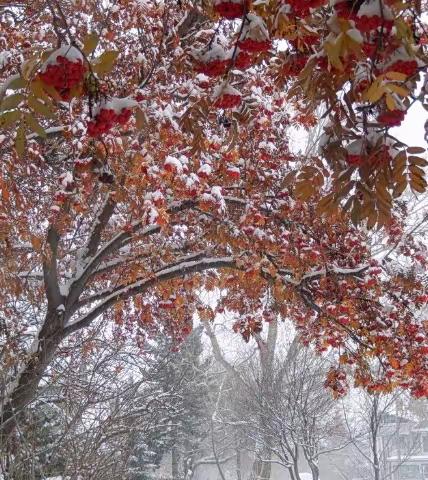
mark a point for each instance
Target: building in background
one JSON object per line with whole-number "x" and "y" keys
{"x": 405, "y": 448}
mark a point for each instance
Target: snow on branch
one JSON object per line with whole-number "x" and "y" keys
{"x": 92, "y": 257}
{"x": 322, "y": 272}
{"x": 140, "y": 286}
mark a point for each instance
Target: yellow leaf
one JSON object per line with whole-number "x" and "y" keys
{"x": 76, "y": 91}
{"x": 403, "y": 29}
{"x": 20, "y": 141}
{"x": 40, "y": 107}
{"x": 371, "y": 220}
{"x": 344, "y": 24}
{"x": 46, "y": 54}
{"x": 52, "y": 92}
{"x": 38, "y": 90}
{"x": 416, "y": 171}
{"x": 374, "y": 92}
{"x": 285, "y": 28}
{"x": 105, "y": 62}
{"x": 28, "y": 67}
{"x": 17, "y": 83}
{"x": 401, "y": 157}
{"x": 90, "y": 43}
{"x": 34, "y": 125}
{"x": 9, "y": 118}
{"x": 400, "y": 187}
{"x": 11, "y": 101}
{"x": 403, "y": 92}
{"x": 332, "y": 52}
{"x": 397, "y": 76}
{"x": 418, "y": 161}
{"x": 390, "y": 103}
{"x": 352, "y": 45}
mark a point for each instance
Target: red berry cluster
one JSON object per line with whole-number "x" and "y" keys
{"x": 203, "y": 83}
{"x": 243, "y": 60}
{"x": 106, "y": 119}
{"x": 346, "y": 10}
{"x": 370, "y": 49}
{"x": 217, "y": 67}
{"x": 367, "y": 24}
{"x": 391, "y": 118}
{"x": 214, "y": 68}
{"x": 233, "y": 173}
{"x": 229, "y": 9}
{"x": 63, "y": 76}
{"x": 354, "y": 159}
{"x": 302, "y": 8}
{"x": 408, "y": 67}
{"x": 227, "y": 100}
{"x": 255, "y": 46}
{"x": 167, "y": 305}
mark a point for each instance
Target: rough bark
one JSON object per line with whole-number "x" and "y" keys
{"x": 29, "y": 378}
{"x": 175, "y": 463}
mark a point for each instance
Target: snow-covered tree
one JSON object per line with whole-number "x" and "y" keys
{"x": 113, "y": 411}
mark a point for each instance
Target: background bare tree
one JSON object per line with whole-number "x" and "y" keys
{"x": 374, "y": 423}
{"x": 112, "y": 411}
{"x": 277, "y": 402}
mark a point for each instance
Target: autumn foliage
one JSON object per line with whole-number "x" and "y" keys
{"x": 146, "y": 159}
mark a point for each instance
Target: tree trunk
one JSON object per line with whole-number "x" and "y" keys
{"x": 266, "y": 469}
{"x": 27, "y": 381}
{"x": 314, "y": 470}
{"x": 261, "y": 468}
{"x": 175, "y": 463}
{"x": 238, "y": 465}
{"x": 296, "y": 467}
{"x": 374, "y": 433}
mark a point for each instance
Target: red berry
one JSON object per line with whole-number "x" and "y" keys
{"x": 354, "y": 159}
{"x": 214, "y": 68}
{"x": 367, "y": 24}
{"x": 63, "y": 76}
{"x": 124, "y": 116}
{"x": 254, "y": 46}
{"x": 408, "y": 67}
{"x": 243, "y": 60}
{"x": 227, "y": 100}
{"x": 230, "y": 9}
{"x": 233, "y": 173}
{"x": 391, "y": 118}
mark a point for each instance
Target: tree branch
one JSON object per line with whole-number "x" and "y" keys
{"x": 141, "y": 286}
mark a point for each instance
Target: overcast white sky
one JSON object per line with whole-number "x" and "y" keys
{"x": 412, "y": 130}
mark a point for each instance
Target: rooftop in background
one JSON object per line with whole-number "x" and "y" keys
{"x": 393, "y": 419}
